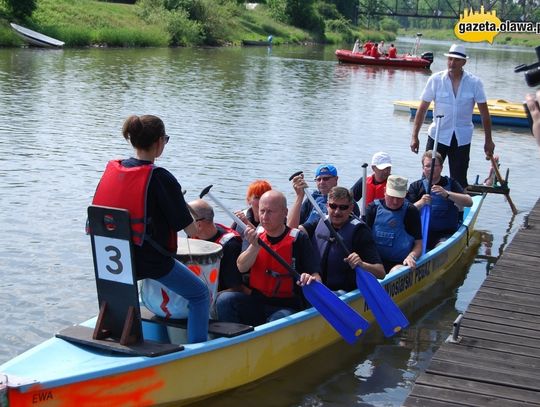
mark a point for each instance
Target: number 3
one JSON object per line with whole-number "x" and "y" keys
{"x": 115, "y": 258}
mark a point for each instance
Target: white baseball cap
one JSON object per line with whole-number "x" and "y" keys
{"x": 381, "y": 160}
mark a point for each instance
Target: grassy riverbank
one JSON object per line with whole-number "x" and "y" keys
{"x": 95, "y": 23}
{"x": 82, "y": 23}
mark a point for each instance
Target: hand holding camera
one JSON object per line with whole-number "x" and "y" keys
{"x": 533, "y": 113}
{"x": 532, "y": 77}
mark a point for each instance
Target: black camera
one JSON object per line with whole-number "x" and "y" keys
{"x": 532, "y": 71}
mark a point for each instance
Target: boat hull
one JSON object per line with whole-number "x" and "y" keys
{"x": 404, "y": 61}
{"x": 36, "y": 39}
{"x": 502, "y": 113}
{"x": 60, "y": 373}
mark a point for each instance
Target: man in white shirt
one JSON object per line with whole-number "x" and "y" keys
{"x": 454, "y": 92}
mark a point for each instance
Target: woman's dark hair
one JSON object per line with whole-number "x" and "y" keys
{"x": 143, "y": 131}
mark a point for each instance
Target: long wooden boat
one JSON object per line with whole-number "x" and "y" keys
{"x": 60, "y": 373}
{"x": 502, "y": 113}
{"x": 35, "y": 38}
{"x": 402, "y": 61}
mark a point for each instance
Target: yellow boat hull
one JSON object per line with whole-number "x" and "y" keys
{"x": 202, "y": 370}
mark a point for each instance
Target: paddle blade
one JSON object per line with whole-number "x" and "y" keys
{"x": 345, "y": 320}
{"x": 425, "y": 216}
{"x": 385, "y": 311}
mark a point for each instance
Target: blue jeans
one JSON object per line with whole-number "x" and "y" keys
{"x": 185, "y": 283}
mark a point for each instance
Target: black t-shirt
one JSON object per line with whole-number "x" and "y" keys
{"x": 166, "y": 211}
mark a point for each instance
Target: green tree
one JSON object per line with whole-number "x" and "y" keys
{"x": 20, "y": 8}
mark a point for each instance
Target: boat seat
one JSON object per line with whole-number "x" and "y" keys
{"x": 218, "y": 328}
{"x": 119, "y": 326}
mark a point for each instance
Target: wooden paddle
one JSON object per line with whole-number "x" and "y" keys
{"x": 385, "y": 311}
{"x": 495, "y": 166}
{"x": 345, "y": 320}
{"x": 425, "y": 213}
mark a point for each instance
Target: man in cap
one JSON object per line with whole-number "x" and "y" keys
{"x": 395, "y": 226}
{"x": 454, "y": 92}
{"x": 381, "y": 164}
{"x": 326, "y": 177}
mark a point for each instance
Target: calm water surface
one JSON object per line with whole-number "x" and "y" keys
{"x": 233, "y": 114}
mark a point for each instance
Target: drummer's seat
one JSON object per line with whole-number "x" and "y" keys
{"x": 119, "y": 325}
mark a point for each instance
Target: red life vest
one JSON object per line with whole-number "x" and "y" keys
{"x": 267, "y": 275}
{"x": 374, "y": 191}
{"x": 226, "y": 234}
{"x": 123, "y": 187}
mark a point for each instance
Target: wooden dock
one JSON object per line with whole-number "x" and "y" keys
{"x": 497, "y": 359}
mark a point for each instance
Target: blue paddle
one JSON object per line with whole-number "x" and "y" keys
{"x": 345, "y": 320}
{"x": 385, "y": 311}
{"x": 425, "y": 212}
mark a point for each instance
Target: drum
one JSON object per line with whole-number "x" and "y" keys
{"x": 203, "y": 259}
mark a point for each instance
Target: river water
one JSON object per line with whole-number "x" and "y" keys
{"x": 233, "y": 114}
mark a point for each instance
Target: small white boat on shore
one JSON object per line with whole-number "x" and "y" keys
{"x": 36, "y": 39}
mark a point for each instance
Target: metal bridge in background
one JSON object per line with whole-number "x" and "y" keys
{"x": 439, "y": 9}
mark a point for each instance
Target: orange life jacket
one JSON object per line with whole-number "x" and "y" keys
{"x": 267, "y": 275}
{"x": 374, "y": 191}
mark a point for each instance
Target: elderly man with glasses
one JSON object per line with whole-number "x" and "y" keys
{"x": 446, "y": 198}
{"x": 337, "y": 268}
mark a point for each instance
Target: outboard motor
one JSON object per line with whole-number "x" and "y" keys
{"x": 428, "y": 56}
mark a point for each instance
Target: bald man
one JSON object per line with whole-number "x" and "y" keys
{"x": 274, "y": 293}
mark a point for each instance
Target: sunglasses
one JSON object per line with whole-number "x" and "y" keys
{"x": 166, "y": 138}
{"x": 341, "y": 207}
{"x": 320, "y": 179}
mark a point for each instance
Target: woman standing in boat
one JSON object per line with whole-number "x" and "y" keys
{"x": 157, "y": 208}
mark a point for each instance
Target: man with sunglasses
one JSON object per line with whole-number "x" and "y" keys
{"x": 337, "y": 267}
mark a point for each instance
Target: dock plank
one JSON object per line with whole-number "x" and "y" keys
{"x": 497, "y": 360}
{"x": 444, "y": 382}
{"x": 448, "y": 397}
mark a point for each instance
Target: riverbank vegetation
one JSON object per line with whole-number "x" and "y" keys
{"x": 160, "y": 23}
{"x": 184, "y": 22}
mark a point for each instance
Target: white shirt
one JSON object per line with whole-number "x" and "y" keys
{"x": 457, "y": 110}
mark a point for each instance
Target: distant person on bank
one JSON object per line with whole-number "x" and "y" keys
{"x": 454, "y": 92}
